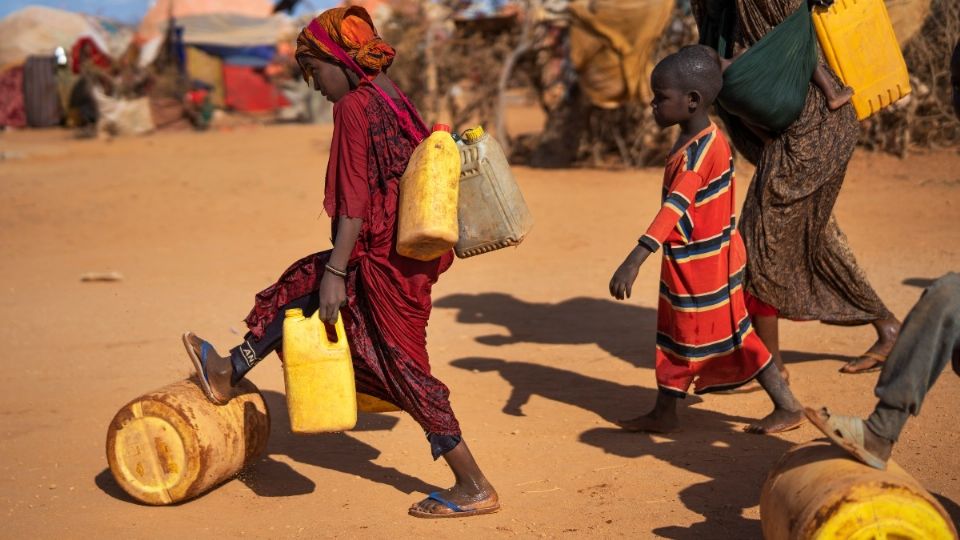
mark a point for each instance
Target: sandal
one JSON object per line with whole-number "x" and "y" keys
{"x": 877, "y": 360}
{"x": 457, "y": 511}
{"x": 200, "y": 366}
{"x": 845, "y": 432}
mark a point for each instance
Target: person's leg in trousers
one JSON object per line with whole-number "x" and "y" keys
{"x": 929, "y": 339}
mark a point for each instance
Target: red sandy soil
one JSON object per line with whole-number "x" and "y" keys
{"x": 539, "y": 358}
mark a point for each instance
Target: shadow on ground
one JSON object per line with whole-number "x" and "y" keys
{"x": 711, "y": 444}
{"x": 952, "y": 508}
{"x": 335, "y": 451}
{"x": 624, "y": 330}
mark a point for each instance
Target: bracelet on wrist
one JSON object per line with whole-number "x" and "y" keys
{"x": 336, "y": 271}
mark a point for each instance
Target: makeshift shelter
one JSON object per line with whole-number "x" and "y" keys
{"x": 248, "y": 90}
{"x": 39, "y": 31}
{"x": 611, "y": 47}
{"x": 154, "y": 23}
{"x": 228, "y": 42}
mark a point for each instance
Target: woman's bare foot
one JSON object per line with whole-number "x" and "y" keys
{"x": 840, "y": 99}
{"x": 887, "y": 331}
{"x": 219, "y": 370}
{"x": 471, "y": 495}
{"x": 778, "y": 421}
{"x": 662, "y": 419}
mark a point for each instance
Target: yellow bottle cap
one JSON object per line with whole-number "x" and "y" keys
{"x": 473, "y": 135}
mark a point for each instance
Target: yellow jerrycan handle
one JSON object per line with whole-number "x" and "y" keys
{"x": 341, "y": 342}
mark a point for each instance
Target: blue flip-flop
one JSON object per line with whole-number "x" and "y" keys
{"x": 457, "y": 511}
{"x": 200, "y": 366}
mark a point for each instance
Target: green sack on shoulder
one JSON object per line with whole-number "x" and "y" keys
{"x": 768, "y": 84}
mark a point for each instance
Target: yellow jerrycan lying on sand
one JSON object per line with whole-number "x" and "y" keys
{"x": 492, "y": 212}
{"x": 818, "y": 492}
{"x": 318, "y": 374}
{"x": 427, "y": 224}
{"x": 860, "y": 45}
{"x": 173, "y": 444}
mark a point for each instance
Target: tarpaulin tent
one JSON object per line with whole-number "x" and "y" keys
{"x": 207, "y": 69}
{"x": 612, "y": 44}
{"x": 38, "y": 31}
{"x": 154, "y": 23}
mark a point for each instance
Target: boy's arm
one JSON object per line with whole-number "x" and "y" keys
{"x": 682, "y": 194}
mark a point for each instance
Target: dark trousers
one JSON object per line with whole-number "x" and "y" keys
{"x": 929, "y": 339}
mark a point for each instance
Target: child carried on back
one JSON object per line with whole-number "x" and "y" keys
{"x": 704, "y": 335}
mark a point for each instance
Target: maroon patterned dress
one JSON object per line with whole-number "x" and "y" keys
{"x": 388, "y": 295}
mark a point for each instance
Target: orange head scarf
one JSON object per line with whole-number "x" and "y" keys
{"x": 352, "y": 29}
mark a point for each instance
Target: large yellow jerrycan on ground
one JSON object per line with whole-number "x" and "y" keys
{"x": 429, "y": 190}
{"x": 318, "y": 374}
{"x": 860, "y": 45}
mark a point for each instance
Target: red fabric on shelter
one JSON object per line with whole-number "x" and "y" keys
{"x": 249, "y": 90}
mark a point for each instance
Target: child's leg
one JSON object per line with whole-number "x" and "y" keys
{"x": 768, "y": 330}
{"x": 835, "y": 98}
{"x": 787, "y": 412}
{"x": 662, "y": 419}
{"x": 225, "y": 371}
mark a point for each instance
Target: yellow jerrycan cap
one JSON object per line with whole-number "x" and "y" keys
{"x": 474, "y": 135}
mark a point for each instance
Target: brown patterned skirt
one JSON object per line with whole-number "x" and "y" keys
{"x": 798, "y": 259}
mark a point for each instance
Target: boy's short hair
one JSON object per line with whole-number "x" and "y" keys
{"x": 694, "y": 67}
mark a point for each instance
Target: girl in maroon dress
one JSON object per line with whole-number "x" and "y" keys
{"x": 384, "y": 298}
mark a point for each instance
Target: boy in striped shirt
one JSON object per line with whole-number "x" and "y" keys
{"x": 704, "y": 335}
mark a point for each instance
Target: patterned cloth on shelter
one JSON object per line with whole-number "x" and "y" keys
{"x": 388, "y": 295}
{"x": 704, "y": 334}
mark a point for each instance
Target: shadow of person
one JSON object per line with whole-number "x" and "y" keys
{"x": 920, "y": 282}
{"x": 711, "y": 443}
{"x": 735, "y": 463}
{"x": 796, "y": 357}
{"x": 609, "y": 400}
{"x": 335, "y": 451}
{"x": 624, "y": 330}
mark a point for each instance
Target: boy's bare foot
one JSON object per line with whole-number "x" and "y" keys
{"x": 840, "y": 99}
{"x": 778, "y": 421}
{"x": 872, "y": 360}
{"x": 662, "y": 419}
{"x": 218, "y": 372}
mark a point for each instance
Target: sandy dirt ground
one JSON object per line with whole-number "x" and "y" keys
{"x": 538, "y": 357}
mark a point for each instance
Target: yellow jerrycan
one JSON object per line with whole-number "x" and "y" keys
{"x": 173, "y": 444}
{"x": 318, "y": 374}
{"x": 860, "y": 45}
{"x": 818, "y": 492}
{"x": 429, "y": 190}
{"x": 492, "y": 212}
